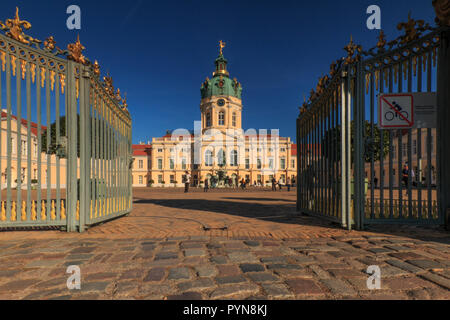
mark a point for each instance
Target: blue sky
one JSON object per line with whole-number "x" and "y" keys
{"x": 160, "y": 52}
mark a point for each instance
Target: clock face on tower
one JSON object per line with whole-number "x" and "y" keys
{"x": 221, "y": 102}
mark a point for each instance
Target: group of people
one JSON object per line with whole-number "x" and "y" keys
{"x": 280, "y": 184}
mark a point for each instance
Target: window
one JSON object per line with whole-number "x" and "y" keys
{"x": 283, "y": 163}
{"x": 35, "y": 174}
{"x": 172, "y": 178}
{"x": 160, "y": 178}
{"x": 405, "y": 150}
{"x": 208, "y": 119}
{"x": 234, "y": 119}
{"x": 258, "y": 163}
{"x": 183, "y": 163}
{"x": 160, "y": 150}
{"x": 24, "y": 147}
{"x": 141, "y": 164}
{"x": 160, "y": 163}
{"x": 141, "y": 180}
{"x": 259, "y": 178}
{"x": 415, "y": 146}
{"x": 208, "y": 158}
{"x": 270, "y": 149}
{"x": 293, "y": 163}
{"x": 282, "y": 149}
{"x": 247, "y": 150}
{"x": 234, "y": 158}
{"x": 247, "y": 163}
{"x": 35, "y": 149}
{"x": 171, "y": 163}
{"x": 221, "y": 118}
{"x": 221, "y": 160}
{"x": 270, "y": 163}
{"x": 259, "y": 149}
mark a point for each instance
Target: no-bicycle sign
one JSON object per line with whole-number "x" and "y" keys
{"x": 396, "y": 110}
{"x": 407, "y": 110}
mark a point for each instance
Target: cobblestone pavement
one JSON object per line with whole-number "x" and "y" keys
{"x": 169, "y": 248}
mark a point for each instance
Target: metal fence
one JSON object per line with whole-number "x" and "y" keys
{"x": 65, "y": 138}
{"x": 351, "y": 170}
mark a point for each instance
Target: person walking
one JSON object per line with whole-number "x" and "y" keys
{"x": 205, "y": 189}
{"x": 280, "y": 183}
{"x": 187, "y": 182}
{"x": 288, "y": 184}
{"x": 405, "y": 175}
{"x": 274, "y": 183}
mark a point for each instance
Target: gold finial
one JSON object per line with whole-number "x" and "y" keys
{"x": 221, "y": 46}
{"x": 76, "y": 51}
{"x": 14, "y": 29}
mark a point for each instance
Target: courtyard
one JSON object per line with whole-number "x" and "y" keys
{"x": 224, "y": 244}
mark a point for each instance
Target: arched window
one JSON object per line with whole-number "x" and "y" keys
{"x": 234, "y": 158}
{"x": 208, "y": 158}
{"x": 221, "y": 160}
{"x": 208, "y": 119}
{"x": 233, "y": 121}
{"x": 221, "y": 118}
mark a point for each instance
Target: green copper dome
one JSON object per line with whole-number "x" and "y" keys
{"x": 221, "y": 84}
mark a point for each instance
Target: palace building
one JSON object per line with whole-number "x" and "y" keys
{"x": 218, "y": 147}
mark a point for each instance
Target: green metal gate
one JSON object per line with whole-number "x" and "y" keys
{"x": 65, "y": 138}
{"x": 356, "y": 173}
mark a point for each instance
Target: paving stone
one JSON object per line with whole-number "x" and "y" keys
{"x": 206, "y": 271}
{"x": 405, "y": 266}
{"x": 191, "y": 245}
{"x": 43, "y": 263}
{"x": 238, "y": 291}
{"x": 280, "y": 259}
{"x": 18, "y": 285}
{"x": 132, "y": 274}
{"x": 277, "y": 291}
{"x": 283, "y": 266}
{"x": 262, "y": 277}
{"x": 441, "y": 281}
{"x": 339, "y": 287}
{"x": 94, "y": 286}
{"x": 199, "y": 284}
{"x": 293, "y": 273}
{"x": 252, "y": 243}
{"x": 228, "y": 270}
{"x": 47, "y": 284}
{"x": 179, "y": 273}
{"x": 230, "y": 279}
{"x": 248, "y": 267}
{"x": 213, "y": 245}
{"x": 100, "y": 276}
{"x": 398, "y": 248}
{"x": 304, "y": 287}
{"x": 194, "y": 253}
{"x": 427, "y": 264}
{"x": 83, "y": 250}
{"x": 418, "y": 294}
{"x": 304, "y": 259}
{"x": 219, "y": 259}
{"x": 319, "y": 272}
{"x": 379, "y": 250}
{"x": 186, "y": 296}
{"x": 406, "y": 255}
{"x": 166, "y": 255}
{"x": 346, "y": 273}
{"x": 391, "y": 271}
{"x": 406, "y": 283}
{"x": 242, "y": 257}
{"x": 155, "y": 274}
{"x": 8, "y": 273}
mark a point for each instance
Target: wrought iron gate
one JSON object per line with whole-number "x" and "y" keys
{"x": 65, "y": 139}
{"x": 356, "y": 173}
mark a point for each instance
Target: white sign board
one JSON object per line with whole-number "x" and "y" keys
{"x": 407, "y": 110}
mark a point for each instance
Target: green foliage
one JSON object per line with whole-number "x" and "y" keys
{"x": 331, "y": 143}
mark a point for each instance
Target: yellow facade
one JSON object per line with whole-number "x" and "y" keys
{"x": 21, "y": 168}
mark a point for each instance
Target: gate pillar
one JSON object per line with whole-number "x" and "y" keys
{"x": 443, "y": 129}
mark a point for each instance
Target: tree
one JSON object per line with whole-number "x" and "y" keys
{"x": 107, "y": 132}
{"x": 331, "y": 143}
